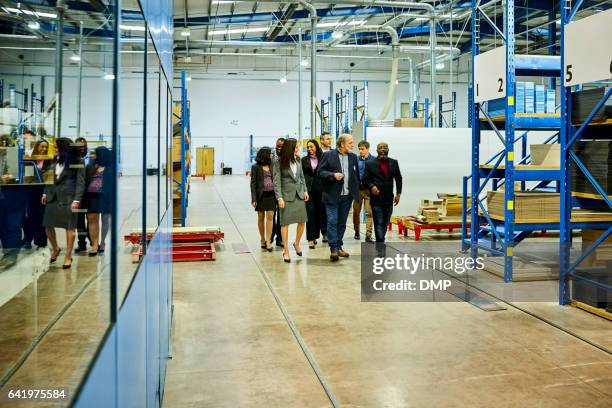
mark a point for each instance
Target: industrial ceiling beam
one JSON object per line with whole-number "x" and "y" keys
{"x": 282, "y": 22}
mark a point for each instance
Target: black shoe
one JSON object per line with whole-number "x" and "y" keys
{"x": 324, "y": 240}
{"x": 80, "y": 249}
{"x": 280, "y": 244}
{"x": 296, "y": 251}
{"x": 357, "y": 236}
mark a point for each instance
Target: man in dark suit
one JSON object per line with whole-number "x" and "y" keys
{"x": 340, "y": 174}
{"x": 378, "y": 177}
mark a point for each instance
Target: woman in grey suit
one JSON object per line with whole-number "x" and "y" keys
{"x": 291, "y": 193}
{"x": 63, "y": 197}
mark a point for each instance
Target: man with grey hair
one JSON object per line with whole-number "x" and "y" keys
{"x": 339, "y": 170}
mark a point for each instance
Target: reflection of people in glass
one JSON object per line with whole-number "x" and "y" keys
{"x": 63, "y": 197}
{"x": 5, "y": 141}
{"x": 81, "y": 147}
{"x": 33, "y": 229}
{"x": 97, "y": 198}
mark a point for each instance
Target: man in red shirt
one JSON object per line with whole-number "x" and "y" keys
{"x": 378, "y": 177}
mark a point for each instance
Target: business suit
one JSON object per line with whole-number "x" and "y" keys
{"x": 291, "y": 188}
{"x": 317, "y": 218}
{"x": 337, "y": 204}
{"x": 69, "y": 186}
{"x": 265, "y": 200}
{"x": 382, "y": 203}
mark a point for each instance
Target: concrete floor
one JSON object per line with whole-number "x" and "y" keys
{"x": 232, "y": 346}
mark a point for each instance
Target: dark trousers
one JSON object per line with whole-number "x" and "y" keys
{"x": 381, "y": 213}
{"x": 276, "y": 228}
{"x": 82, "y": 232}
{"x": 13, "y": 204}
{"x": 337, "y": 214}
{"x": 317, "y": 216}
{"x": 33, "y": 229}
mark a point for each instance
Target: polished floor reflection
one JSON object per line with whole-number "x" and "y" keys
{"x": 232, "y": 346}
{"x": 64, "y": 313}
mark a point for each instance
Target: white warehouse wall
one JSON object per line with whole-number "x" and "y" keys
{"x": 225, "y": 110}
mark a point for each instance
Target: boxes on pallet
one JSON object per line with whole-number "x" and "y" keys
{"x": 540, "y": 99}
{"x": 520, "y": 97}
{"x": 529, "y": 97}
{"x": 597, "y": 157}
{"x": 551, "y": 101}
{"x": 548, "y": 155}
{"x": 452, "y": 204}
{"x": 407, "y": 122}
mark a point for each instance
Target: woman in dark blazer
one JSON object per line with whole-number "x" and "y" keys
{"x": 63, "y": 197}
{"x": 262, "y": 195}
{"x": 317, "y": 218}
{"x": 97, "y": 199}
{"x": 291, "y": 193}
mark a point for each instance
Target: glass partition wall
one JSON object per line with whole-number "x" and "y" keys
{"x": 84, "y": 130}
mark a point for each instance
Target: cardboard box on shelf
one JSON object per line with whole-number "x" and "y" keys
{"x": 602, "y": 254}
{"x": 546, "y": 154}
{"x": 527, "y": 205}
{"x": 407, "y": 122}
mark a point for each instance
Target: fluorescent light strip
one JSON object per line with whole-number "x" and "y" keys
{"x": 215, "y": 2}
{"x": 341, "y": 24}
{"x": 239, "y": 31}
{"x": 131, "y": 28}
{"x": 28, "y": 12}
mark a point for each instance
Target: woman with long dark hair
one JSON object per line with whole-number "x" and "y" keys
{"x": 317, "y": 218}
{"x": 97, "y": 200}
{"x": 63, "y": 197}
{"x": 262, "y": 195}
{"x": 291, "y": 193}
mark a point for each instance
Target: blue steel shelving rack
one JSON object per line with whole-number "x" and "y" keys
{"x": 342, "y": 111}
{"x": 499, "y": 237}
{"x": 182, "y": 186}
{"x": 326, "y": 115}
{"x": 569, "y": 135}
{"x": 356, "y": 107}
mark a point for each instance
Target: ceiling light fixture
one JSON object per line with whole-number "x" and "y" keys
{"x": 188, "y": 78}
{"x": 239, "y": 31}
{"x": 109, "y": 76}
{"x": 185, "y": 32}
{"x": 341, "y": 23}
{"x": 131, "y": 28}
{"x": 187, "y": 60}
{"x": 440, "y": 65}
{"x": 33, "y": 25}
{"x": 75, "y": 57}
{"x": 304, "y": 62}
{"x": 283, "y": 80}
{"x": 337, "y": 35}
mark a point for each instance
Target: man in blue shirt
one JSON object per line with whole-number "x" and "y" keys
{"x": 364, "y": 194}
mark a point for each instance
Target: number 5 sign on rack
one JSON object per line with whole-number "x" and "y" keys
{"x": 588, "y": 49}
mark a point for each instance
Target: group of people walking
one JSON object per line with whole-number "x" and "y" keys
{"x": 76, "y": 197}
{"x": 317, "y": 192}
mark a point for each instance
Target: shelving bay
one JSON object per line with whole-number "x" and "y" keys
{"x": 582, "y": 67}
{"x": 578, "y": 210}
{"x": 494, "y": 77}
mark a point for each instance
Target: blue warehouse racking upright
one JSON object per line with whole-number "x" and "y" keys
{"x": 181, "y": 158}
{"x": 583, "y": 66}
{"x": 499, "y": 235}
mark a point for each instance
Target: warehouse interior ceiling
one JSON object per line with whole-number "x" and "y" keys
{"x": 224, "y": 35}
